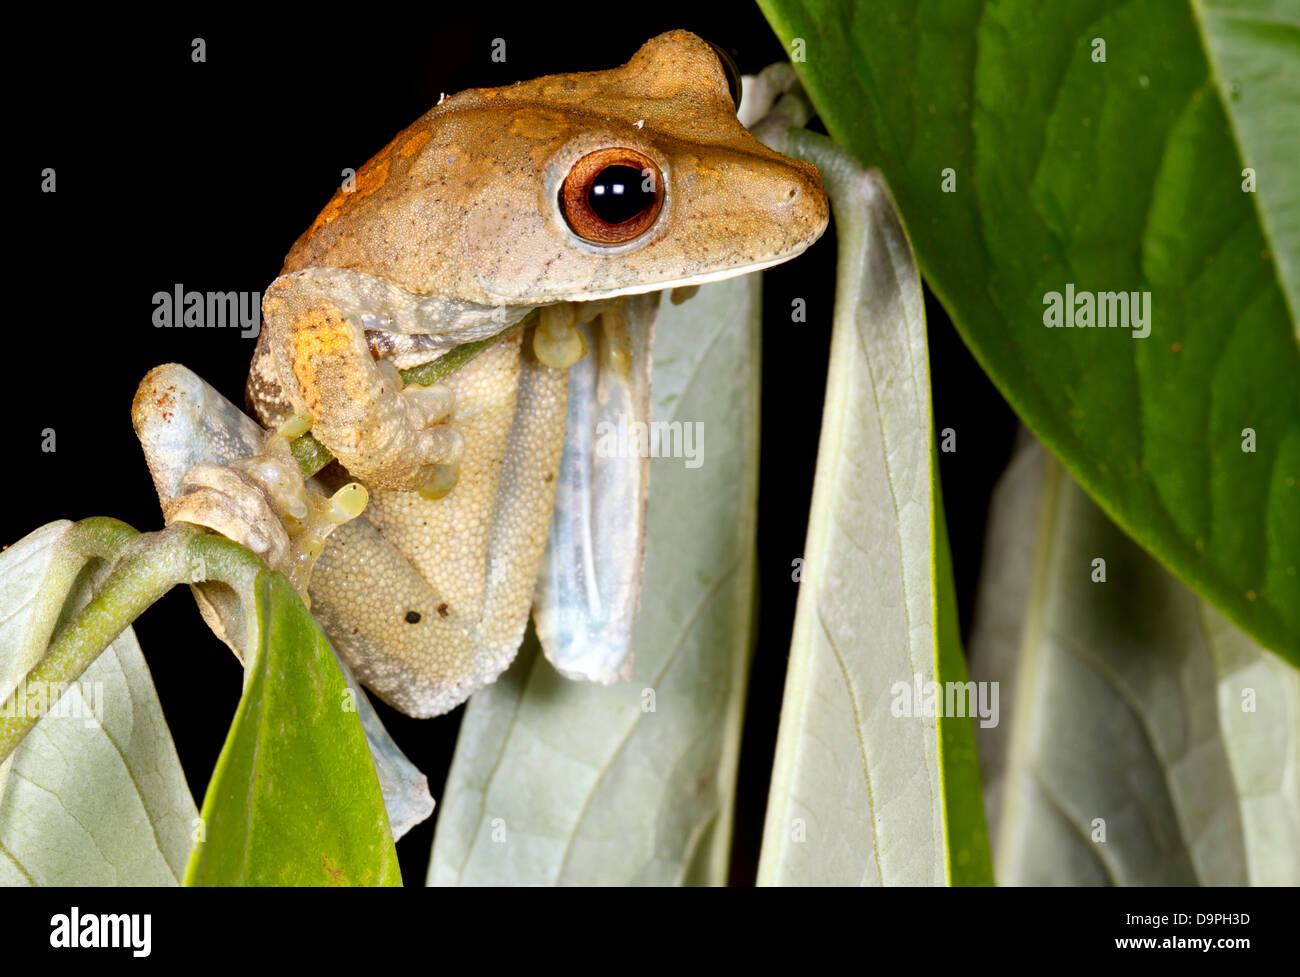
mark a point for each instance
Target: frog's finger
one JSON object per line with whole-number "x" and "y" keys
{"x": 442, "y": 444}
{"x": 435, "y": 402}
{"x": 590, "y": 584}
{"x": 557, "y": 342}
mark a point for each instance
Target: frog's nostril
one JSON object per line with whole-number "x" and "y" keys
{"x": 791, "y": 192}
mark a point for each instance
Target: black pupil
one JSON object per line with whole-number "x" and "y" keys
{"x": 619, "y": 193}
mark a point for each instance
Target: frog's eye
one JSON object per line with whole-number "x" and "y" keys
{"x": 612, "y": 195}
{"x": 731, "y": 71}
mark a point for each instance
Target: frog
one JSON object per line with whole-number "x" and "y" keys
{"x": 537, "y": 224}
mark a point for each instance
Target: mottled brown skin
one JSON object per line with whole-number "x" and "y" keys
{"x": 453, "y": 231}
{"x": 464, "y": 201}
{"x": 464, "y": 204}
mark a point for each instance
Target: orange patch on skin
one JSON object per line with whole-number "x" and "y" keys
{"x": 414, "y": 144}
{"x": 320, "y": 332}
{"x": 372, "y": 176}
{"x": 321, "y": 329}
{"x": 537, "y": 124}
{"x": 369, "y": 178}
{"x": 332, "y": 210}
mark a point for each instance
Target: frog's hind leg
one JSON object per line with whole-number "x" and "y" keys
{"x": 427, "y": 599}
{"x": 392, "y": 628}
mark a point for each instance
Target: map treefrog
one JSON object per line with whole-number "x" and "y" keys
{"x": 549, "y": 213}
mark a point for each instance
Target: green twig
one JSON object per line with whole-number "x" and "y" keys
{"x": 144, "y": 567}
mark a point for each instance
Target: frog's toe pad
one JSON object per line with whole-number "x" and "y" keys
{"x": 442, "y": 444}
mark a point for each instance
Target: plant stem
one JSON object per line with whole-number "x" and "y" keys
{"x": 144, "y": 567}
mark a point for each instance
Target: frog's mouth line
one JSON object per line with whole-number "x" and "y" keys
{"x": 722, "y": 274}
{"x": 713, "y": 276}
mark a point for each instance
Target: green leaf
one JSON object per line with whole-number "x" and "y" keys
{"x": 1122, "y": 175}
{"x": 294, "y": 799}
{"x": 862, "y": 791}
{"x": 405, "y": 789}
{"x": 558, "y": 781}
{"x": 94, "y": 794}
{"x": 1254, "y": 49}
{"x": 969, "y": 861}
{"x": 1128, "y": 706}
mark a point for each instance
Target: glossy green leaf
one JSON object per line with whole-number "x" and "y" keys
{"x": 1142, "y": 738}
{"x": 560, "y": 781}
{"x": 1254, "y": 49}
{"x": 295, "y": 799}
{"x": 94, "y": 794}
{"x": 867, "y": 787}
{"x": 1022, "y": 163}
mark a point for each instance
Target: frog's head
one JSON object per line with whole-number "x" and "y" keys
{"x": 574, "y": 187}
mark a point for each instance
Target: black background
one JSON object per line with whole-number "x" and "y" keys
{"x": 204, "y": 174}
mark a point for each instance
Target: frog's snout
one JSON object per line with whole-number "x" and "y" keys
{"x": 795, "y": 195}
{"x": 757, "y": 208}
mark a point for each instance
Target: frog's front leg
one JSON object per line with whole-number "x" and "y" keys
{"x": 388, "y": 437}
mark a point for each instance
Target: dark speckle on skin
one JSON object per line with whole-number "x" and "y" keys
{"x": 442, "y": 609}
{"x": 412, "y": 617}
